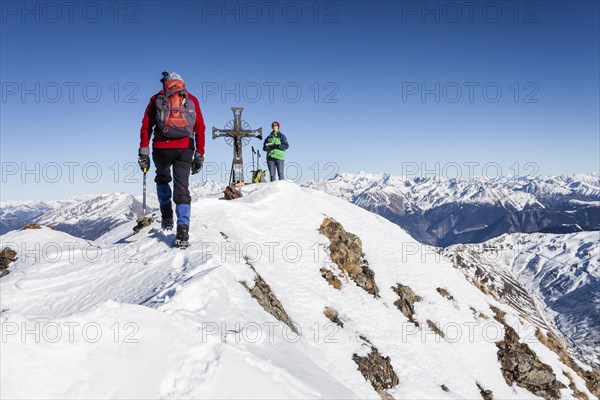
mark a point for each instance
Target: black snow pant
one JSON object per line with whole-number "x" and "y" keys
{"x": 181, "y": 161}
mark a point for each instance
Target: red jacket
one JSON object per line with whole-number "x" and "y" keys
{"x": 159, "y": 142}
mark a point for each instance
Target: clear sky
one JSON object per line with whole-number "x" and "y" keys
{"x": 401, "y": 87}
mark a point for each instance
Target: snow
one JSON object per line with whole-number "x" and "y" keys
{"x": 563, "y": 271}
{"x": 90, "y": 216}
{"x": 427, "y": 193}
{"x": 178, "y": 324}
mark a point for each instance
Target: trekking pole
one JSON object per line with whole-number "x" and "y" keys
{"x": 253, "y": 171}
{"x": 144, "y": 196}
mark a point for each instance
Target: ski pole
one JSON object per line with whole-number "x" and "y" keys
{"x": 144, "y": 196}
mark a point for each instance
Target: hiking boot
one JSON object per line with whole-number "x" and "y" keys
{"x": 166, "y": 213}
{"x": 183, "y": 237}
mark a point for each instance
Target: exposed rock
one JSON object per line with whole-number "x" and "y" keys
{"x": 554, "y": 343}
{"x": 406, "y": 302}
{"x": 478, "y": 314}
{"x": 522, "y": 366}
{"x": 485, "y": 394}
{"x": 364, "y": 338}
{"x": 434, "y": 328}
{"x": 445, "y": 388}
{"x": 444, "y": 293}
{"x": 591, "y": 378}
{"x": 231, "y": 192}
{"x": 331, "y": 278}
{"x": 263, "y": 294}
{"x": 346, "y": 253}
{"x": 7, "y": 256}
{"x": 385, "y": 395}
{"x": 576, "y": 392}
{"x": 378, "y": 370}
{"x": 332, "y": 314}
{"x": 481, "y": 286}
{"x": 142, "y": 222}
{"x": 31, "y": 225}
{"x": 153, "y": 230}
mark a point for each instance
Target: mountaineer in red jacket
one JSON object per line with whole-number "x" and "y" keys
{"x": 174, "y": 117}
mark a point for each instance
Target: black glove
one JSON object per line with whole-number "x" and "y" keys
{"x": 144, "y": 159}
{"x": 273, "y": 146}
{"x": 197, "y": 163}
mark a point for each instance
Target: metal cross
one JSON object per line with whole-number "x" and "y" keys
{"x": 237, "y": 133}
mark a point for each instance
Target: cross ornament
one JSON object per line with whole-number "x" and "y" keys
{"x": 237, "y": 133}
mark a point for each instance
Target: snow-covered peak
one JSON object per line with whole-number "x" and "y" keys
{"x": 95, "y": 215}
{"x": 190, "y": 323}
{"x": 442, "y": 212}
{"x": 427, "y": 193}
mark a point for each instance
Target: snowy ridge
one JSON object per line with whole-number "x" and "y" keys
{"x": 562, "y": 271}
{"x": 188, "y": 327}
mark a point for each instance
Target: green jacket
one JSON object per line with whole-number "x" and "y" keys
{"x": 280, "y": 145}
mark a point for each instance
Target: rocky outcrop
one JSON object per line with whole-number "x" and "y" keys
{"x": 31, "y": 225}
{"x": 346, "y": 252}
{"x": 478, "y": 314}
{"x": 522, "y": 366}
{"x": 406, "y": 301}
{"x": 444, "y": 293}
{"x": 435, "y": 328}
{"x": 231, "y": 192}
{"x": 331, "y": 278}
{"x": 7, "y": 256}
{"x": 485, "y": 394}
{"x": 263, "y": 294}
{"x": 378, "y": 370}
{"x": 591, "y": 377}
{"x": 332, "y": 314}
{"x": 142, "y": 222}
{"x": 576, "y": 392}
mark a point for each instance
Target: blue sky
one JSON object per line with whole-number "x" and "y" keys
{"x": 402, "y": 87}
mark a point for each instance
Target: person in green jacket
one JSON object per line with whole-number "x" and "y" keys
{"x": 275, "y": 146}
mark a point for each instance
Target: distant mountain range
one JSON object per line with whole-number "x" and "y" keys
{"x": 443, "y": 212}
{"x": 89, "y": 216}
{"x": 439, "y": 212}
